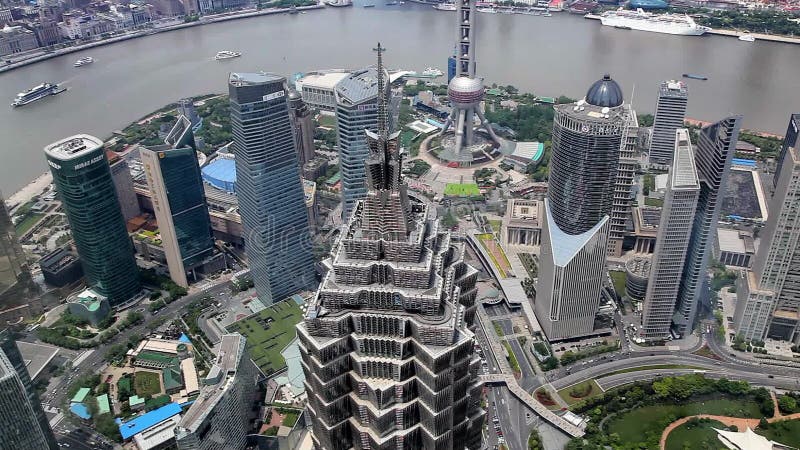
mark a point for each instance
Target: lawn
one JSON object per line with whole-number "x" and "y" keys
{"x": 27, "y": 223}
{"x": 579, "y": 392}
{"x": 512, "y": 359}
{"x": 695, "y": 434}
{"x": 653, "y": 201}
{"x": 146, "y": 384}
{"x": 647, "y": 423}
{"x": 785, "y": 432}
{"x": 462, "y": 190}
{"x": 618, "y": 278}
{"x": 496, "y": 225}
{"x": 266, "y": 338}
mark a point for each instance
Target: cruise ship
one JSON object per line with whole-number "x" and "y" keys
{"x": 657, "y": 23}
{"x": 37, "y": 93}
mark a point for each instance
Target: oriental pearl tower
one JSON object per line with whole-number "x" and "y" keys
{"x": 465, "y": 90}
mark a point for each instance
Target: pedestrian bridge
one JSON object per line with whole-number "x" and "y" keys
{"x": 511, "y": 383}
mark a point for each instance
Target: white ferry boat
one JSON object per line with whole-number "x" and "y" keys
{"x": 445, "y": 6}
{"x": 84, "y": 61}
{"x": 37, "y": 93}
{"x": 430, "y": 72}
{"x": 489, "y": 10}
{"x": 339, "y": 3}
{"x": 658, "y": 23}
{"x": 227, "y": 54}
{"x": 747, "y": 38}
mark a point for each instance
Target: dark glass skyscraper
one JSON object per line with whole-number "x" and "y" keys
{"x": 583, "y": 169}
{"x": 23, "y": 424}
{"x": 713, "y": 155}
{"x": 15, "y": 280}
{"x": 83, "y": 180}
{"x": 268, "y": 186}
{"x": 179, "y": 201}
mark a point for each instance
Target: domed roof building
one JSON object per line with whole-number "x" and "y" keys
{"x": 604, "y": 93}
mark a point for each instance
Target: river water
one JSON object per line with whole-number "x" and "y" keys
{"x": 549, "y": 56}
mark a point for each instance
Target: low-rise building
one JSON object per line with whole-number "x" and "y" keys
{"x": 522, "y": 223}
{"x": 16, "y": 39}
{"x": 734, "y": 247}
{"x": 90, "y": 306}
{"x": 61, "y": 267}
{"x": 317, "y": 88}
{"x": 153, "y": 420}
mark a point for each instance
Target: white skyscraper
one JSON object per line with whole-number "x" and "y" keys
{"x": 674, "y": 231}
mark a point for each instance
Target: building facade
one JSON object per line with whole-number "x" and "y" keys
{"x": 83, "y": 180}
{"x": 386, "y": 343}
{"x": 303, "y": 123}
{"x": 585, "y": 156}
{"x": 769, "y": 294}
{"x": 268, "y": 186}
{"x": 572, "y": 271}
{"x": 221, "y": 416}
{"x": 670, "y": 112}
{"x": 587, "y": 138}
{"x": 179, "y": 202}
{"x": 789, "y": 139}
{"x": 123, "y": 183}
{"x": 13, "y": 266}
{"x": 713, "y": 154}
{"x": 674, "y": 232}
{"x": 23, "y": 424}
{"x": 626, "y": 173}
{"x": 16, "y": 39}
{"x": 356, "y": 112}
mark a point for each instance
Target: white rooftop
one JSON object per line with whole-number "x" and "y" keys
{"x": 73, "y": 147}
{"x": 746, "y": 440}
{"x": 730, "y": 241}
{"x": 684, "y": 173}
{"x": 158, "y": 434}
{"x": 321, "y": 80}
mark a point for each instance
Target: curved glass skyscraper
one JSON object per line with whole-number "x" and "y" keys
{"x": 89, "y": 199}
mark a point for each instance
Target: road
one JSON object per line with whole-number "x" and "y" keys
{"x": 94, "y": 361}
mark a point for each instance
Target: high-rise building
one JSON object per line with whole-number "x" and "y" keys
{"x": 83, "y": 180}
{"x": 386, "y": 345}
{"x": 768, "y": 303}
{"x": 268, "y": 186}
{"x": 713, "y": 154}
{"x": 674, "y": 231}
{"x": 789, "y": 139}
{"x": 14, "y": 275}
{"x": 303, "y": 124}
{"x": 222, "y": 414}
{"x": 670, "y": 112}
{"x": 587, "y": 138}
{"x": 572, "y": 270}
{"x": 626, "y": 173}
{"x": 123, "y": 183}
{"x": 23, "y": 424}
{"x": 179, "y": 201}
{"x": 465, "y": 90}
{"x": 356, "y": 112}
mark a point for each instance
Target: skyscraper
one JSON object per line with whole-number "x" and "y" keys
{"x": 221, "y": 416}
{"x": 14, "y": 275}
{"x": 768, "y": 303}
{"x": 303, "y": 127}
{"x": 789, "y": 139}
{"x": 670, "y": 112}
{"x": 83, "y": 180}
{"x": 465, "y": 90}
{"x": 23, "y": 424}
{"x": 176, "y": 186}
{"x": 268, "y": 186}
{"x": 386, "y": 344}
{"x": 587, "y": 136}
{"x": 713, "y": 154}
{"x": 626, "y": 172}
{"x": 674, "y": 231}
{"x": 356, "y": 111}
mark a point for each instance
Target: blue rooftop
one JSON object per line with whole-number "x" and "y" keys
{"x": 80, "y": 410}
{"x": 221, "y": 173}
{"x": 185, "y": 339}
{"x": 145, "y": 421}
{"x": 743, "y": 162}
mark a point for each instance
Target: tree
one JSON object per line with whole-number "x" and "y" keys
{"x": 787, "y": 404}
{"x": 106, "y": 426}
{"x": 763, "y": 424}
{"x": 116, "y": 353}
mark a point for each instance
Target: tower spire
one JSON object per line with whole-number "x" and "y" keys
{"x": 383, "y": 116}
